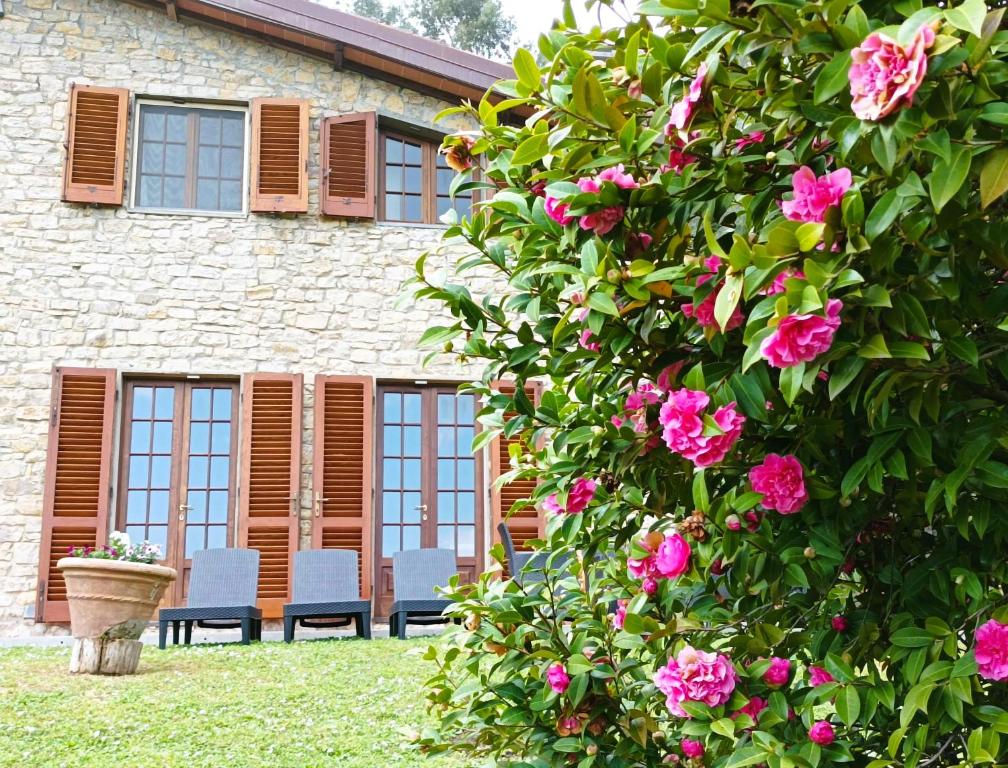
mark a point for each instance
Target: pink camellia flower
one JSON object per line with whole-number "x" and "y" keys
{"x": 704, "y": 311}
{"x": 778, "y": 673}
{"x": 692, "y": 748}
{"x": 682, "y": 419}
{"x": 839, "y": 623}
{"x": 754, "y": 137}
{"x": 558, "y": 211}
{"x": 649, "y": 585}
{"x": 753, "y": 707}
{"x": 992, "y": 650}
{"x": 819, "y": 676}
{"x": 800, "y": 338}
{"x": 580, "y": 495}
{"x": 557, "y": 678}
{"x": 813, "y": 195}
{"x": 602, "y": 222}
{"x": 619, "y": 177}
{"x": 777, "y": 286}
{"x": 673, "y": 556}
{"x": 585, "y": 341}
{"x": 733, "y": 523}
{"x": 695, "y": 675}
{"x": 677, "y": 159}
{"x": 589, "y": 185}
{"x": 885, "y": 75}
{"x": 552, "y": 504}
{"x": 682, "y": 111}
{"x": 620, "y": 615}
{"x": 781, "y": 481}
{"x": 821, "y": 733}
{"x": 668, "y": 375}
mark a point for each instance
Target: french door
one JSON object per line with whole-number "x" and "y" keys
{"x": 429, "y": 483}
{"x": 177, "y": 477}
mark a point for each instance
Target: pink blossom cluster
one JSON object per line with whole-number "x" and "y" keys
{"x": 684, "y": 431}
{"x": 579, "y": 496}
{"x": 697, "y": 676}
{"x": 692, "y": 748}
{"x": 821, "y": 733}
{"x": 778, "y": 673}
{"x": 557, "y": 678}
{"x": 885, "y": 75}
{"x": 992, "y": 650}
{"x": 778, "y": 284}
{"x": 781, "y": 480}
{"x": 668, "y": 558}
{"x": 620, "y": 614}
{"x": 601, "y": 221}
{"x": 678, "y": 159}
{"x": 800, "y": 338}
{"x": 682, "y": 111}
{"x": 636, "y": 405}
{"x": 819, "y": 676}
{"x": 753, "y": 707}
{"x": 750, "y": 139}
{"x": 704, "y": 311}
{"x": 815, "y": 195}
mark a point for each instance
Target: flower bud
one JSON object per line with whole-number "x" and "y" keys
{"x": 733, "y": 523}
{"x": 845, "y": 501}
{"x": 771, "y": 156}
{"x": 614, "y": 276}
{"x": 591, "y": 749}
{"x": 809, "y": 553}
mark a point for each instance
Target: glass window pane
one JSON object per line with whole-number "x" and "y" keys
{"x": 446, "y": 441}
{"x": 465, "y": 504}
{"x": 463, "y": 205}
{"x": 446, "y": 507}
{"x": 142, "y": 397}
{"x": 393, "y": 207}
{"x": 443, "y": 206}
{"x": 159, "y": 507}
{"x": 446, "y": 409}
{"x": 174, "y": 192}
{"x": 393, "y": 150}
{"x": 162, "y": 437}
{"x": 217, "y": 511}
{"x": 197, "y": 500}
{"x": 391, "y": 473}
{"x": 411, "y": 507}
{"x": 466, "y": 541}
{"x": 411, "y": 443}
{"x": 222, "y": 404}
{"x": 446, "y": 536}
{"x": 411, "y": 537}
{"x": 175, "y": 159}
{"x": 445, "y": 474}
{"x": 156, "y": 534}
{"x": 136, "y": 506}
{"x": 217, "y": 537}
{"x": 393, "y": 178}
{"x": 209, "y": 129}
{"x": 413, "y": 154}
{"x": 390, "y": 507}
{"x": 392, "y": 404}
{"x": 463, "y": 444}
{"x": 207, "y": 194}
{"x": 390, "y": 540}
{"x": 140, "y": 434}
{"x": 413, "y": 209}
{"x": 160, "y": 471}
{"x": 150, "y": 192}
{"x": 178, "y": 126}
{"x": 414, "y": 180}
{"x": 231, "y": 163}
{"x": 137, "y": 533}
{"x": 153, "y": 123}
{"x": 412, "y": 403}
{"x": 411, "y": 474}
{"x": 138, "y": 466}
{"x": 200, "y": 406}
{"x": 194, "y": 539}
{"x": 466, "y": 474}
{"x": 164, "y": 403}
{"x": 230, "y": 196}
{"x": 221, "y": 437}
{"x": 392, "y": 441}
{"x": 219, "y": 466}
{"x": 198, "y": 466}
{"x": 199, "y": 437}
{"x": 209, "y": 161}
{"x": 444, "y": 180}
{"x": 233, "y": 130}
{"x": 152, "y": 158}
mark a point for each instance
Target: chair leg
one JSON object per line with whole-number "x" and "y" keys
{"x": 175, "y": 632}
{"x": 188, "y": 633}
{"x": 288, "y": 629}
{"x": 246, "y": 631}
{"x": 392, "y": 624}
{"x": 258, "y": 630}
{"x": 401, "y": 626}
{"x": 162, "y": 633}
{"x": 366, "y": 624}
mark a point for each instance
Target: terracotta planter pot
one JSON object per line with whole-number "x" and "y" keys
{"x": 111, "y": 602}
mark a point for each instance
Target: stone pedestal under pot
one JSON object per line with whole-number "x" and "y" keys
{"x": 111, "y": 602}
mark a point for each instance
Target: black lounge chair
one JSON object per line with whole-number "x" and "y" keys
{"x": 326, "y": 593}
{"x": 222, "y": 595}
{"x": 415, "y": 575}
{"x": 527, "y": 567}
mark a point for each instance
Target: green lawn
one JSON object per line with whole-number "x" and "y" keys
{"x": 345, "y": 703}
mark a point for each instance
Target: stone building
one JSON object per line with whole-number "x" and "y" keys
{"x": 209, "y": 209}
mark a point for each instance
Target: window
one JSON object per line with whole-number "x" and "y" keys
{"x": 415, "y": 180}
{"x": 189, "y": 158}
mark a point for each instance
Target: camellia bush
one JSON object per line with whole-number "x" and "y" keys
{"x": 755, "y": 257}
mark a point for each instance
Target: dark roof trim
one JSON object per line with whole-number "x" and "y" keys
{"x": 350, "y": 41}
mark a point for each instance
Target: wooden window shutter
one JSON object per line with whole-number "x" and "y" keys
{"x": 96, "y": 145}
{"x": 342, "y": 471}
{"x": 75, "y": 505}
{"x": 526, "y": 522}
{"x": 270, "y": 481}
{"x": 348, "y": 165}
{"x": 279, "y": 155}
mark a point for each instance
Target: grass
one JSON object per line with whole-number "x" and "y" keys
{"x": 345, "y": 703}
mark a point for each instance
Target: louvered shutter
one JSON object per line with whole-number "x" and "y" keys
{"x": 96, "y": 145}
{"x": 525, "y": 522}
{"x": 75, "y": 503}
{"x": 270, "y": 482}
{"x": 279, "y": 155}
{"x": 348, "y": 165}
{"x": 342, "y": 471}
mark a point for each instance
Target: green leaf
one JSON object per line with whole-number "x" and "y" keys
{"x": 883, "y": 214}
{"x": 724, "y": 727}
{"x": 848, "y": 705}
{"x": 946, "y": 178}
{"x": 968, "y": 17}
{"x": 745, "y": 756}
{"x": 526, "y": 68}
{"x": 874, "y": 348}
{"x": 994, "y": 177}
{"x": 964, "y": 349}
{"x": 712, "y": 244}
{"x": 701, "y": 500}
{"x": 915, "y": 700}
{"x": 727, "y": 299}
{"x": 531, "y": 149}
{"x": 908, "y": 350}
{"x": 832, "y": 78}
{"x": 911, "y": 637}
{"x": 995, "y": 112}
{"x": 844, "y": 373}
{"x": 602, "y": 302}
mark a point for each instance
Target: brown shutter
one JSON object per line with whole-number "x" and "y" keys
{"x": 348, "y": 165}
{"x": 280, "y": 155}
{"x": 525, "y": 522}
{"x": 75, "y": 504}
{"x": 96, "y": 145}
{"x": 342, "y": 471}
{"x": 270, "y": 482}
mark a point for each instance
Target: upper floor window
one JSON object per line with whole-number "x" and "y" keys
{"x": 414, "y": 182}
{"x": 190, "y": 158}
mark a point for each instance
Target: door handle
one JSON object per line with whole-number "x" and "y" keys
{"x": 423, "y": 509}
{"x": 318, "y": 504}
{"x": 182, "y": 509}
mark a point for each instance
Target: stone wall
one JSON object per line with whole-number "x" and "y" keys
{"x": 167, "y": 293}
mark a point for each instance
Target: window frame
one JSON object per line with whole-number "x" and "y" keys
{"x": 134, "y": 180}
{"x": 428, "y": 178}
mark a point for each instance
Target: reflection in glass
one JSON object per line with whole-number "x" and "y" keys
{"x": 162, "y": 437}
{"x": 221, "y": 437}
{"x": 390, "y": 540}
{"x": 136, "y": 506}
{"x": 466, "y": 541}
{"x": 445, "y": 409}
{"x": 138, "y": 466}
{"x": 222, "y": 404}
{"x": 445, "y": 474}
{"x": 445, "y": 507}
{"x": 411, "y": 537}
{"x": 392, "y": 405}
{"x": 142, "y": 398}
{"x": 446, "y": 536}
{"x": 218, "y": 509}
{"x": 412, "y": 402}
{"x": 158, "y": 507}
{"x": 164, "y": 403}
{"x": 390, "y": 506}
{"x": 392, "y": 441}
{"x": 411, "y": 444}
{"x": 411, "y": 474}
{"x": 391, "y": 474}
{"x": 199, "y": 409}
{"x": 140, "y": 438}
{"x": 199, "y": 437}
{"x": 219, "y": 471}
{"x": 160, "y": 471}
{"x": 197, "y": 507}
